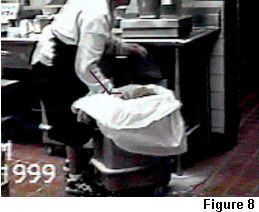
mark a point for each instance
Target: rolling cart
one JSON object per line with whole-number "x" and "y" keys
{"x": 119, "y": 172}
{"x": 126, "y": 174}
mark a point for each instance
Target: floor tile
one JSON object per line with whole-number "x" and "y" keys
{"x": 247, "y": 127}
{"x": 252, "y": 168}
{"x": 249, "y": 102}
{"x": 246, "y": 149}
{"x": 23, "y": 190}
{"x": 217, "y": 184}
{"x": 245, "y": 186}
{"x": 253, "y": 137}
{"x": 234, "y": 166}
{"x": 256, "y": 158}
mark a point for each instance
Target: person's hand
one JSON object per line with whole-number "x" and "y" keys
{"x": 48, "y": 52}
{"x": 99, "y": 86}
{"x": 118, "y": 95}
{"x": 134, "y": 48}
{"x": 83, "y": 117}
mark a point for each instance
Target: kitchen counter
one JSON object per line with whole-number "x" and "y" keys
{"x": 20, "y": 49}
{"x": 28, "y": 40}
{"x": 196, "y": 34}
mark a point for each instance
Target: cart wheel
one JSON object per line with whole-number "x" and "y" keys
{"x": 160, "y": 192}
{"x": 50, "y": 149}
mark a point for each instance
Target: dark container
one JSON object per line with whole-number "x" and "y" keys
{"x": 149, "y": 8}
{"x": 170, "y": 8}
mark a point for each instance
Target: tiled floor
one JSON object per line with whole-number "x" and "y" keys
{"x": 237, "y": 172}
{"x": 232, "y": 173}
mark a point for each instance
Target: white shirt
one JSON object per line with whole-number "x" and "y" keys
{"x": 88, "y": 24}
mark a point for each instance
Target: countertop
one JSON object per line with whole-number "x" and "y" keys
{"x": 195, "y": 34}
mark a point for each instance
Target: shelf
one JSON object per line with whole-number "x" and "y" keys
{"x": 5, "y": 82}
{"x": 6, "y": 118}
{"x": 40, "y": 7}
{"x": 27, "y": 40}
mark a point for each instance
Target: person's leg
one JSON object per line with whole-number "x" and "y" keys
{"x": 66, "y": 128}
{"x": 52, "y": 88}
{"x": 78, "y": 183}
{"x": 74, "y": 156}
{"x": 79, "y": 135}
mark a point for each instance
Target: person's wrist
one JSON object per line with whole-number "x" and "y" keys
{"x": 125, "y": 50}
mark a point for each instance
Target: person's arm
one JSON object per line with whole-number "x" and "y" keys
{"x": 118, "y": 47}
{"x": 92, "y": 41}
{"x": 45, "y": 48}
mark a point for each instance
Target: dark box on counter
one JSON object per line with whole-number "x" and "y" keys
{"x": 175, "y": 27}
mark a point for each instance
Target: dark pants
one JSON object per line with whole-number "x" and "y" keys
{"x": 58, "y": 87}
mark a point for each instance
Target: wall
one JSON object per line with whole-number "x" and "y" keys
{"x": 208, "y": 10}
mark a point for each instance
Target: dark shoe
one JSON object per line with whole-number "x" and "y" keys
{"x": 78, "y": 187}
{"x": 66, "y": 166}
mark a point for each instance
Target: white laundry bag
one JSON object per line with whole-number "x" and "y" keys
{"x": 151, "y": 125}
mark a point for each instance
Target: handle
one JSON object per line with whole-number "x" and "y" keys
{"x": 167, "y": 2}
{"x": 121, "y": 57}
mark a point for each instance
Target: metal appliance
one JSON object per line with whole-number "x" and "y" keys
{"x": 170, "y": 8}
{"x": 176, "y": 27}
{"x": 148, "y": 8}
{"x": 157, "y": 19}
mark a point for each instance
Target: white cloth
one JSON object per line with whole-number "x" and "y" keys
{"x": 150, "y": 125}
{"x": 85, "y": 23}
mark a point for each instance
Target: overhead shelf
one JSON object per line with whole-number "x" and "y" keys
{"x": 41, "y": 7}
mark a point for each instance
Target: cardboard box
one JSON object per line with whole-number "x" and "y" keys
{"x": 176, "y": 26}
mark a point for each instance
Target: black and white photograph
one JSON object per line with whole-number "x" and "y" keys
{"x": 131, "y": 98}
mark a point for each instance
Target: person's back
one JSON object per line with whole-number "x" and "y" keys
{"x": 75, "y": 18}
{"x": 71, "y": 17}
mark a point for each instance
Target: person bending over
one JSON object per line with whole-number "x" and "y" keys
{"x": 69, "y": 48}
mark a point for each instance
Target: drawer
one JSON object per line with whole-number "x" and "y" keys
{"x": 18, "y": 55}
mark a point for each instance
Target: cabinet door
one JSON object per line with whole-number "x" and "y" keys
{"x": 18, "y": 54}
